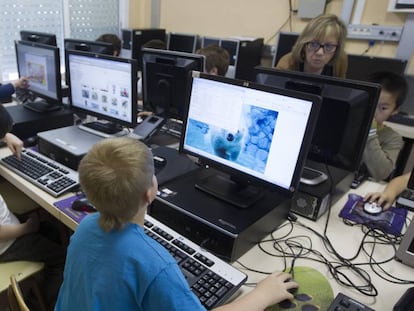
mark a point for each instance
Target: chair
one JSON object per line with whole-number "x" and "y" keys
{"x": 21, "y": 271}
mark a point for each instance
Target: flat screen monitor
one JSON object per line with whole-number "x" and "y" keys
{"x": 105, "y": 87}
{"x": 257, "y": 135}
{"x": 165, "y": 80}
{"x": 284, "y": 45}
{"x": 182, "y": 42}
{"x": 345, "y": 118}
{"x": 408, "y": 105}
{"x": 139, "y": 37}
{"x": 360, "y": 67}
{"x": 232, "y": 46}
{"x": 41, "y": 64}
{"x": 89, "y": 46}
{"x": 209, "y": 40}
{"x": 39, "y": 37}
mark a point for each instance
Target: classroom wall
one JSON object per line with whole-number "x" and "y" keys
{"x": 262, "y": 18}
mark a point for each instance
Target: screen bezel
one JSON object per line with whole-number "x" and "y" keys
{"x": 58, "y": 80}
{"x": 372, "y": 89}
{"x": 165, "y": 55}
{"x": 187, "y": 36}
{"x": 42, "y": 37}
{"x": 134, "y": 69}
{"x": 288, "y": 191}
{"x": 105, "y": 47}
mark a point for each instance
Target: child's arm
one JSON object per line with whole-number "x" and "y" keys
{"x": 273, "y": 289}
{"x": 14, "y": 143}
{"x": 10, "y": 232}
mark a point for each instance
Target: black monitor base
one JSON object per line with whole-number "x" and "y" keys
{"x": 224, "y": 188}
{"x": 103, "y": 129}
{"x": 40, "y": 105}
{"x": 312, "y": 177}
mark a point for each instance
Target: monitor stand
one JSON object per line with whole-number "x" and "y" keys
{"x": 312, "y": 177}
{"x": 237, "y": 193}
{"x": 103, "y": 129}
{"x": 40, "y": 105}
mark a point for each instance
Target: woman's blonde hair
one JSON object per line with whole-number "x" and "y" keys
{"x": 319, "y": 28}
{"x": 115, "y": 176}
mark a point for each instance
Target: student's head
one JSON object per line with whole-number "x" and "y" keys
{"x": 217, "y": 59}
{"x": 393, "y": 91}
{"x": 320, "y": 43}
{"x": 117, "y": 176}
{"x": 111, "y": 38}
{"x": 155, "y": 44}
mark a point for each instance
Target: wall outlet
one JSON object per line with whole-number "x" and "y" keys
{"x": 375, "y": 32}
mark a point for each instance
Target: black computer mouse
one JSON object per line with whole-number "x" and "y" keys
{"x": 31, "y": 141}
{"x": 83, "y": 205}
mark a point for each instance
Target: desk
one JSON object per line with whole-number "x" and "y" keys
{"x": 339, "y": 234}
{"x": 407, "y": 132}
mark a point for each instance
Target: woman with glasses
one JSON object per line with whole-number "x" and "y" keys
{"x": 319, "y": 49}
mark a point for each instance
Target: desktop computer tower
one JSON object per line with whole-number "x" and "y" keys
{"x": 312, "y": 201}
{"x": 28, "y": 123}
{"x": 225, "y": 230}
{"x": 249, "y": 56}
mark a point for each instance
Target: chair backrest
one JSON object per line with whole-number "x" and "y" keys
{"x": 14, "y": 293}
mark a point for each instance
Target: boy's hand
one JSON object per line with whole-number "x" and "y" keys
{"x": 32, "y": 224}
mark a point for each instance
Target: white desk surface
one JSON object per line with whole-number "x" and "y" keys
{"x": 345, "y": 240}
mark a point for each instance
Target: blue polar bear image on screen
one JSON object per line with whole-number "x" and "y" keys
{"x": 247, "y": 146}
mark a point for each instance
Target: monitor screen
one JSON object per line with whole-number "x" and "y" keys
{"x": 284, "y": 45}
{"x": 360, "y": 67}
{"x": 41, "y": 64}
{"x": 232, "y": 46}
{"x": 344, "y": 120}
{"x": 257, "y": 134}
{"x": 408, "y": 104}
{"x": 182, "y": 42}
{"x": 139, "y": 37}
{"x": 209, "y": 40}
{"x": 39, "y": 37}
{"x": 103, "y": 86}
{"x": 165, "y": 80}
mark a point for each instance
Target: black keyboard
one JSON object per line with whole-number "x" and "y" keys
{"x": 43, "y": 172}
{"x": 211, "y": 279}
{"x": 173, "y": 127}
{"x": 403, "y": 119}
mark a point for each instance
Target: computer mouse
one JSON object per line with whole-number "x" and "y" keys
{"x": 372, "y": 208}
{"x": 83, "y": 205}
{"x": 31, "y": 141}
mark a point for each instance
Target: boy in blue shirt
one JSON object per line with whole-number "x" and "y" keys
{"x": 112, "y": 264}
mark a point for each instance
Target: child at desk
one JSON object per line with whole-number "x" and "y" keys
{"x": 22, "y": 241}
{"x": 112, "y": 264}
{"x": 383, "y": 143}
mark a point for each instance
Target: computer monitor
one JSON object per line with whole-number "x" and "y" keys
{"x": 408, "y": 105}
{"x": 39, "y": 37}
{"x": 285, "y": 43}
{"x": 139, "y": 37}
{"x": 182, "y": 42}
{"x": 41, "y": 64}
{"x": 345, "y": 118}
{"x": 209, "y": 40}
{"x": 105, "y": 87}
{"x": 257, "y": 135}
{"x": 360, "y": 67}
{"x": 165, "y": 80}
{"x": 232, "y": 46}
{"x": 89, "y": 46}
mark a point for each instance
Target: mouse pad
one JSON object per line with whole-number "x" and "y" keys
{"x": 390, "y": 221}
{"x": 314, "y": 292}
{"x": 65, "y": 206}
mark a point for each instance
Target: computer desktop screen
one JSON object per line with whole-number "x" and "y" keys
{"x": 105, "y": 87}
{"x": 41, "y": 64}
{"x": 39, "y": 37}
{"x": 209, "y": 40}
{"x": 360, "y": 67}
{"x": 165, "y": 80}
{"x": 256, "y": 134}
{"x": 345, "y": 118}
{"x": 182, "y": 42}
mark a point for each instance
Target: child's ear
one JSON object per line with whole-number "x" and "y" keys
{"x": 148, "y": 196}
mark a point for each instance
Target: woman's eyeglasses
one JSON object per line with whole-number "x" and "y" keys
{"x": 327, "y": 47}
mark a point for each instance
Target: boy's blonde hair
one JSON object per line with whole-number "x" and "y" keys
{"x": 115, "y": 175}
{"x": 318, "y": 28}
